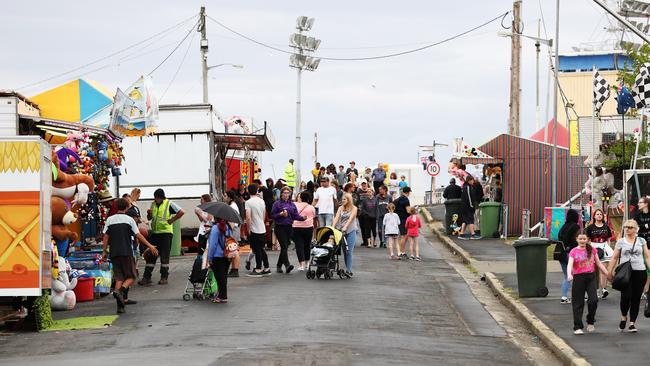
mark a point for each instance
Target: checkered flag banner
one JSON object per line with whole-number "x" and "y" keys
{"x": 601, "y": 91}
{"x": 641, "y": 89}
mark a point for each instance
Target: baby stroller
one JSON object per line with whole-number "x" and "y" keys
{"x": 324, "y": 261}
{"x": 201, "y": 283}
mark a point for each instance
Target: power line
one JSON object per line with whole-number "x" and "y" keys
{"x": 189, "y": 45}
{"x": 175, "y": 48}
{"x": 500, "y": 16}
{"x": 108, "y": 56}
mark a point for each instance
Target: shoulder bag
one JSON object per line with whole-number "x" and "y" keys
{"x": 559, "y": 252}
{"x": 623, "y": 272}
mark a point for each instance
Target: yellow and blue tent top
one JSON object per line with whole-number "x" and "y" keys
{"x": 73, "y": 101}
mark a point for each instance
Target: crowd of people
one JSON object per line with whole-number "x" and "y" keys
{"x": 588, "y": 262}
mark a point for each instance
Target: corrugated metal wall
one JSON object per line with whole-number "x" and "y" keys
{"x": 579, "y": 89}
{"x": 8, "y": 117}
{"x": 527, "y": 176}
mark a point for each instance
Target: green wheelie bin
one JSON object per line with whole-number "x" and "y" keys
{"x": 452, "y": 207}
{"x": 490, "y": 219}
{"x": 531, "y": 266}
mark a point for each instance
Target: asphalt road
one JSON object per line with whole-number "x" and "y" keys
{"x": 391, "y": 313}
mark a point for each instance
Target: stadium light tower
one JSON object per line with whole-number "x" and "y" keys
{"x": 304, "y": 47}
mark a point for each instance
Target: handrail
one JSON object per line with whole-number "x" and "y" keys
{"x": 576, "y": 196}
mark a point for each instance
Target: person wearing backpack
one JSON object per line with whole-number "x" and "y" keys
{"x": 567, "y": 237}
{"x": 633, "y": 249}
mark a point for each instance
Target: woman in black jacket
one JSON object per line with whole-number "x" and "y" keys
{"x": 468, "y": 208}
{"x": 568, "y": 236}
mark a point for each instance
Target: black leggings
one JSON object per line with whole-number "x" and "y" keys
{"x": 302, "y": 238}
{"x": 368, "y": 227}
{"x": 220, "y": 267}
{"x": 257, "y": 246}
{"x": 584, "y": 282}
{"x": 631, "y": 296}
{"x": 283, "y": 233}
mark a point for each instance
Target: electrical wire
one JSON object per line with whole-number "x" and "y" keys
{"x": 108, "y": 56}
{"x": 500, "y": 16}
{"x": 189, "y": 44}
{"x": 174, "y": 50}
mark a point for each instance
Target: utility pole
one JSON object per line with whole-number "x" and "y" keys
{"x": 537, "y": 49}
{"x": 204, "y": 54}
{"x": 432, "y": 149}
{"x": 515, "y": 66}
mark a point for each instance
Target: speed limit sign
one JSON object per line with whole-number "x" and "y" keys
{"x": 433, "y": 168}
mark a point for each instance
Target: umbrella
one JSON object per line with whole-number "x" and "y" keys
{"x": 221, "y": 210}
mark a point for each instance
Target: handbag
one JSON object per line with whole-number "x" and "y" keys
{"x": 231, "y": 248}
{"x": 623, "y": 272}
{"x": 559, "y": 252}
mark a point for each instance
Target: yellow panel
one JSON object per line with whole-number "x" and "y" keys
{"x": 579, "y": 90}
{"x": 574, "y": 141}
{"x": 60, "y": 103}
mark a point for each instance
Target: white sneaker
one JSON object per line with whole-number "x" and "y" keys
{"x": 578, "y": 332}
{"x": 590, "y": 328}
{"x": 565, "y": 300}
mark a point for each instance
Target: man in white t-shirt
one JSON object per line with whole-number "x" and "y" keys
{"x": 324, "y": 201}
{"x": 255, "y": 211}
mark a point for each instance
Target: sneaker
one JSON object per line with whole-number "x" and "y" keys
{"x": 279, "y": 270}
{"x": 590, "y": 328}
{"x": 393, "y": 257}
{"x": 403, "y": 255}
{"x": 163, "y": 281}
{"x": 266, "y": 272}
{"x": 632, "y": 329}
{"x": 578, "y": 332}
{"x": 255, "y": 274}
{"x": 290, "y": 268}
{"x": 248, "y": 265}
{"x": 119, "y": 298}
{"x": 129, "y": 302}
{"x": 621, "y": 325}
{"x": 464, "y": 236}
{"x": 412, "y": 258}
{"x": 605, "y": 293}
{"x": 565, "y": 300}
{"x": 418, "y": 259}
{"x": 233, "y": 273}
{"x": 644, "y": 296}
{"x": 145, "y": 281}
{"x": 476, "y": 237}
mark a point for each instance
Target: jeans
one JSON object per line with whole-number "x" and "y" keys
{"x": 565, "y": 283}
{"x": 302, "y": 238}
{"x": 584, "y": 282}
{"x": 325, "y": 219}
{"x": 283, "y": 233}
{"x": 257, "y": 246}
{"x": 631, "y": 296}
{"x": 351, "y": 239}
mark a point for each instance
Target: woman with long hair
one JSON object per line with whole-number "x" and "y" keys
{"x": 303, "y": 231}
{"x": 630, "y": 247}
{"x": 217, "y": 258}
{"x": 284, "y": 213}
{"x": 346, "y": 222}
{"x": 600, "y": 234}
{"x": 393, "y": 185}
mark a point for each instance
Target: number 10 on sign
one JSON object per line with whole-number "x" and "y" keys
{"x": 433, "y": 169}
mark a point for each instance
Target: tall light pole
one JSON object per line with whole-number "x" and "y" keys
{"x": 556, "y": 70}
{"x": 300, "y": 60}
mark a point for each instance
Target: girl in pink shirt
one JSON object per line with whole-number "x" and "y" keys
{"x": 581, "y": 270}
{"x": 413, "y": 226}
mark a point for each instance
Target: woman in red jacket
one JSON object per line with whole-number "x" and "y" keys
{"x": 413, "y": 225}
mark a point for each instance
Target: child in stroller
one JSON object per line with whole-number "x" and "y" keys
{"x": 200, "y": 282}
{"x": 325, "y": 254}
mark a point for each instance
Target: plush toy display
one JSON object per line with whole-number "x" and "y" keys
{"x": 73, "y": 187}
{"x": 457, "y": 172}
{"x": 63, "y": 298}
{"x": 604, "y": 193}
{"x": 62, "y": 215}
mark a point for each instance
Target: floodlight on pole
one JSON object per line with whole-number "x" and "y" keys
{"x": 300, "y": 60}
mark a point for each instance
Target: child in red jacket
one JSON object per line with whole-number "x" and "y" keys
{"x": 413, "y": 225}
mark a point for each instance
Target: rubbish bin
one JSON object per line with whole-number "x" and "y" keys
{"x": 531, "y": 266}
{"x": 490, "y": 219}
{"x": 452, "y": 207}
{"x": 176, "y": 239}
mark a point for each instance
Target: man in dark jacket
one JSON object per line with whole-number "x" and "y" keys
{"x": 452, "y": 191}
{"x": 467, "y": 210}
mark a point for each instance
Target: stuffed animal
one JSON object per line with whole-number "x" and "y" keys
{"x": 455, "y": 229}
{"x": 62, "y": 216}
{"x": 63, "y": 298}
{"x": 73, "y": 187}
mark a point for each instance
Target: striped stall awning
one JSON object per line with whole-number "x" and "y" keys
{"x": 477, "y": 161}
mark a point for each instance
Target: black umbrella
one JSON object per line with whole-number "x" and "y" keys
{"x": 221, "y": 210}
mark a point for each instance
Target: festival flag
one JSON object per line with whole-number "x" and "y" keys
{"x": 641, "y": 89}
{"x": 135, "y": 111}
{"x": 601, "y": 91}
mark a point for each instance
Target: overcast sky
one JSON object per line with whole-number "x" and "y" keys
{"x": 368, "y": 111}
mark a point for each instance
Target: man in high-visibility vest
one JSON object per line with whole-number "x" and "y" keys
{"x": 290, "y": 175}
{"x": 162, "y": 215}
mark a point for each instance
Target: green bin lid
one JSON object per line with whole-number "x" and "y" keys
{"x": 489, "y": 204}
{"x": 531, "y": 242}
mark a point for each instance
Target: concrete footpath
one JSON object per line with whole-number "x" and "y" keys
{"x": 606, "y": 346}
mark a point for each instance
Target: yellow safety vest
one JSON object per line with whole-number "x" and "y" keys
{"x": 160, "y": 214}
